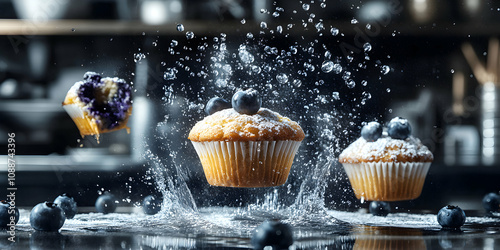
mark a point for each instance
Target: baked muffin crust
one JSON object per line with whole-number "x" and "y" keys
{"x": 386, "y": 149}
{"x": 229, "y": 125}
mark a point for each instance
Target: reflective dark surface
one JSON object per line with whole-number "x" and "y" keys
{"x": 223, "y": 228}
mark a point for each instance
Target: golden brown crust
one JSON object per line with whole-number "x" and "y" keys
{"x": 386, "y": 149}
{"x": 229, "y": 125}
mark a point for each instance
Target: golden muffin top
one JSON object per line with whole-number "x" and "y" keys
{"x": 386, "y": 149}
{"x": 229, "y": 125}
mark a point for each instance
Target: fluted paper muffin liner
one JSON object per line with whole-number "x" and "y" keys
{"x": 246, "y": 163}
{"x": 387, "y": 181}
{"x": 86, "y": 124}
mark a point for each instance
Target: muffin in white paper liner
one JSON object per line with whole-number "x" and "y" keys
{"x": 85, "y": 123}
{"x": 246, "y": 163}
{"x": 387, "y": 181}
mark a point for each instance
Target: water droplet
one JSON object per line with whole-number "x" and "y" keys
{"x": 346, "y": 75}
{"x": 263, "y": 10}
{"x": 336, "y": 96}
{"x": 243, "y": 21}
{"x": 282, "y": 78}
{"x": 452, "y": 71}
{"x": 328, "y": 54}
{"x": 279, "y": 29}
{"x": 245, "y": 56}
{"x": 306, "y": 6}
{"x": 327, "y": 66}
{"x": 170, "y": 74}
{"x": 276, "y": 14}
{"x": 293, "y": 50}
{"x": 322, "y": 5}
{"x": 249, "y": 35}
{"x": 138, "y": 57}
{"x": 367, "y": 47}
{"x": 309, "y": 67}
{"x": 366, "y": 95}
{"x": 368, "y": 26}
{"x": 354, "y": 21}
{"x": 189, "y": 35}
{"x": 385, "y": 69}
{"x": 319, "y": 26}
{"x": 155, "y": 44}
{"x": 388, "y": 90}
{"x": 350, "y": 83}
{"x": 73, "y": 29}
{"x": 334, "y": 31}
{"x": 174, "y": 43}
{"x": 256, "y": 69}
{"x": 263, "y": 25}
{"x": 297, "y": 83}
{"x": 364, "y": 83}
{"x": 180, "y": 27}
{"x": 337, "y": 68}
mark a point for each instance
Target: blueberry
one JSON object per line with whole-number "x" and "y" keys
{"x": 491, "y": 202}
{"x": 272, "y": 233}
{"x": 379, "y": 208}
{"x": 67, "y": 204}
{"x": 47, "y": 216}
{"x": 247, "y": 102}
{"x": 92, "y": 76}
{"x": 451, "y": 217}
{"x": 105, "y": 203}
{"x": 216, "y": 104}
{"x": 371, "y": 131}
{"x": 8, "y": 214}
{"x": 399, "y": 128}
{"x": 151, "y": 205}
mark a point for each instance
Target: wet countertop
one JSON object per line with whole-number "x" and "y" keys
{"x": 231, "y": 228}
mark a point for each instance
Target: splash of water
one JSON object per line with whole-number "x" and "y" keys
{"x": 316, "y": 77}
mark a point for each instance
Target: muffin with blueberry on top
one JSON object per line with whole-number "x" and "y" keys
{"x": 241, "y": 144}
{"x": 389, "y": 166}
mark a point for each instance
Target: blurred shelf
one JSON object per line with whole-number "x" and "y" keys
{"x": 103, "y": 27}
{"x": 77, "y": 27}
{"x": 77, "y": 162}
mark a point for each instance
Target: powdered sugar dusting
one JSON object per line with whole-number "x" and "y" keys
{"x": 228, "y": 123}
{"x": 386, "y": 149}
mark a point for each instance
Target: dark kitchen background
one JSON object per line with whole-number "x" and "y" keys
{"x": 46, "y": 46}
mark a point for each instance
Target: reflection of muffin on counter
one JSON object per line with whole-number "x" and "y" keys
{"x": 385, "y": 238}
{"x": 388, "y": 166}
{"x": 99, "y": 105}
{"x": 251, "y": 147}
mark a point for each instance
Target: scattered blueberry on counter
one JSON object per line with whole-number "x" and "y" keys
{"x": 6, "y": 213}
{"x": 67, "y": 204}
{"x": 272, "y": 233}
{"x": 379, "y": 208}
{"x": 371, "y": 131}
{"x": 105, "y": 203}
{"x": 247, "y": 102}
{"x": 491, "y": 202}
{"x": 216, "y": 104}
{"x": 399, "y": 128}
{"x": 151, "y": 205}
{"x": 451, "y": 217}
{"x": 47, "y": 216}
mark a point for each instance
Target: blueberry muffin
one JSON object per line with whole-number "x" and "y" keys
{"x": 388, "y": 166}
